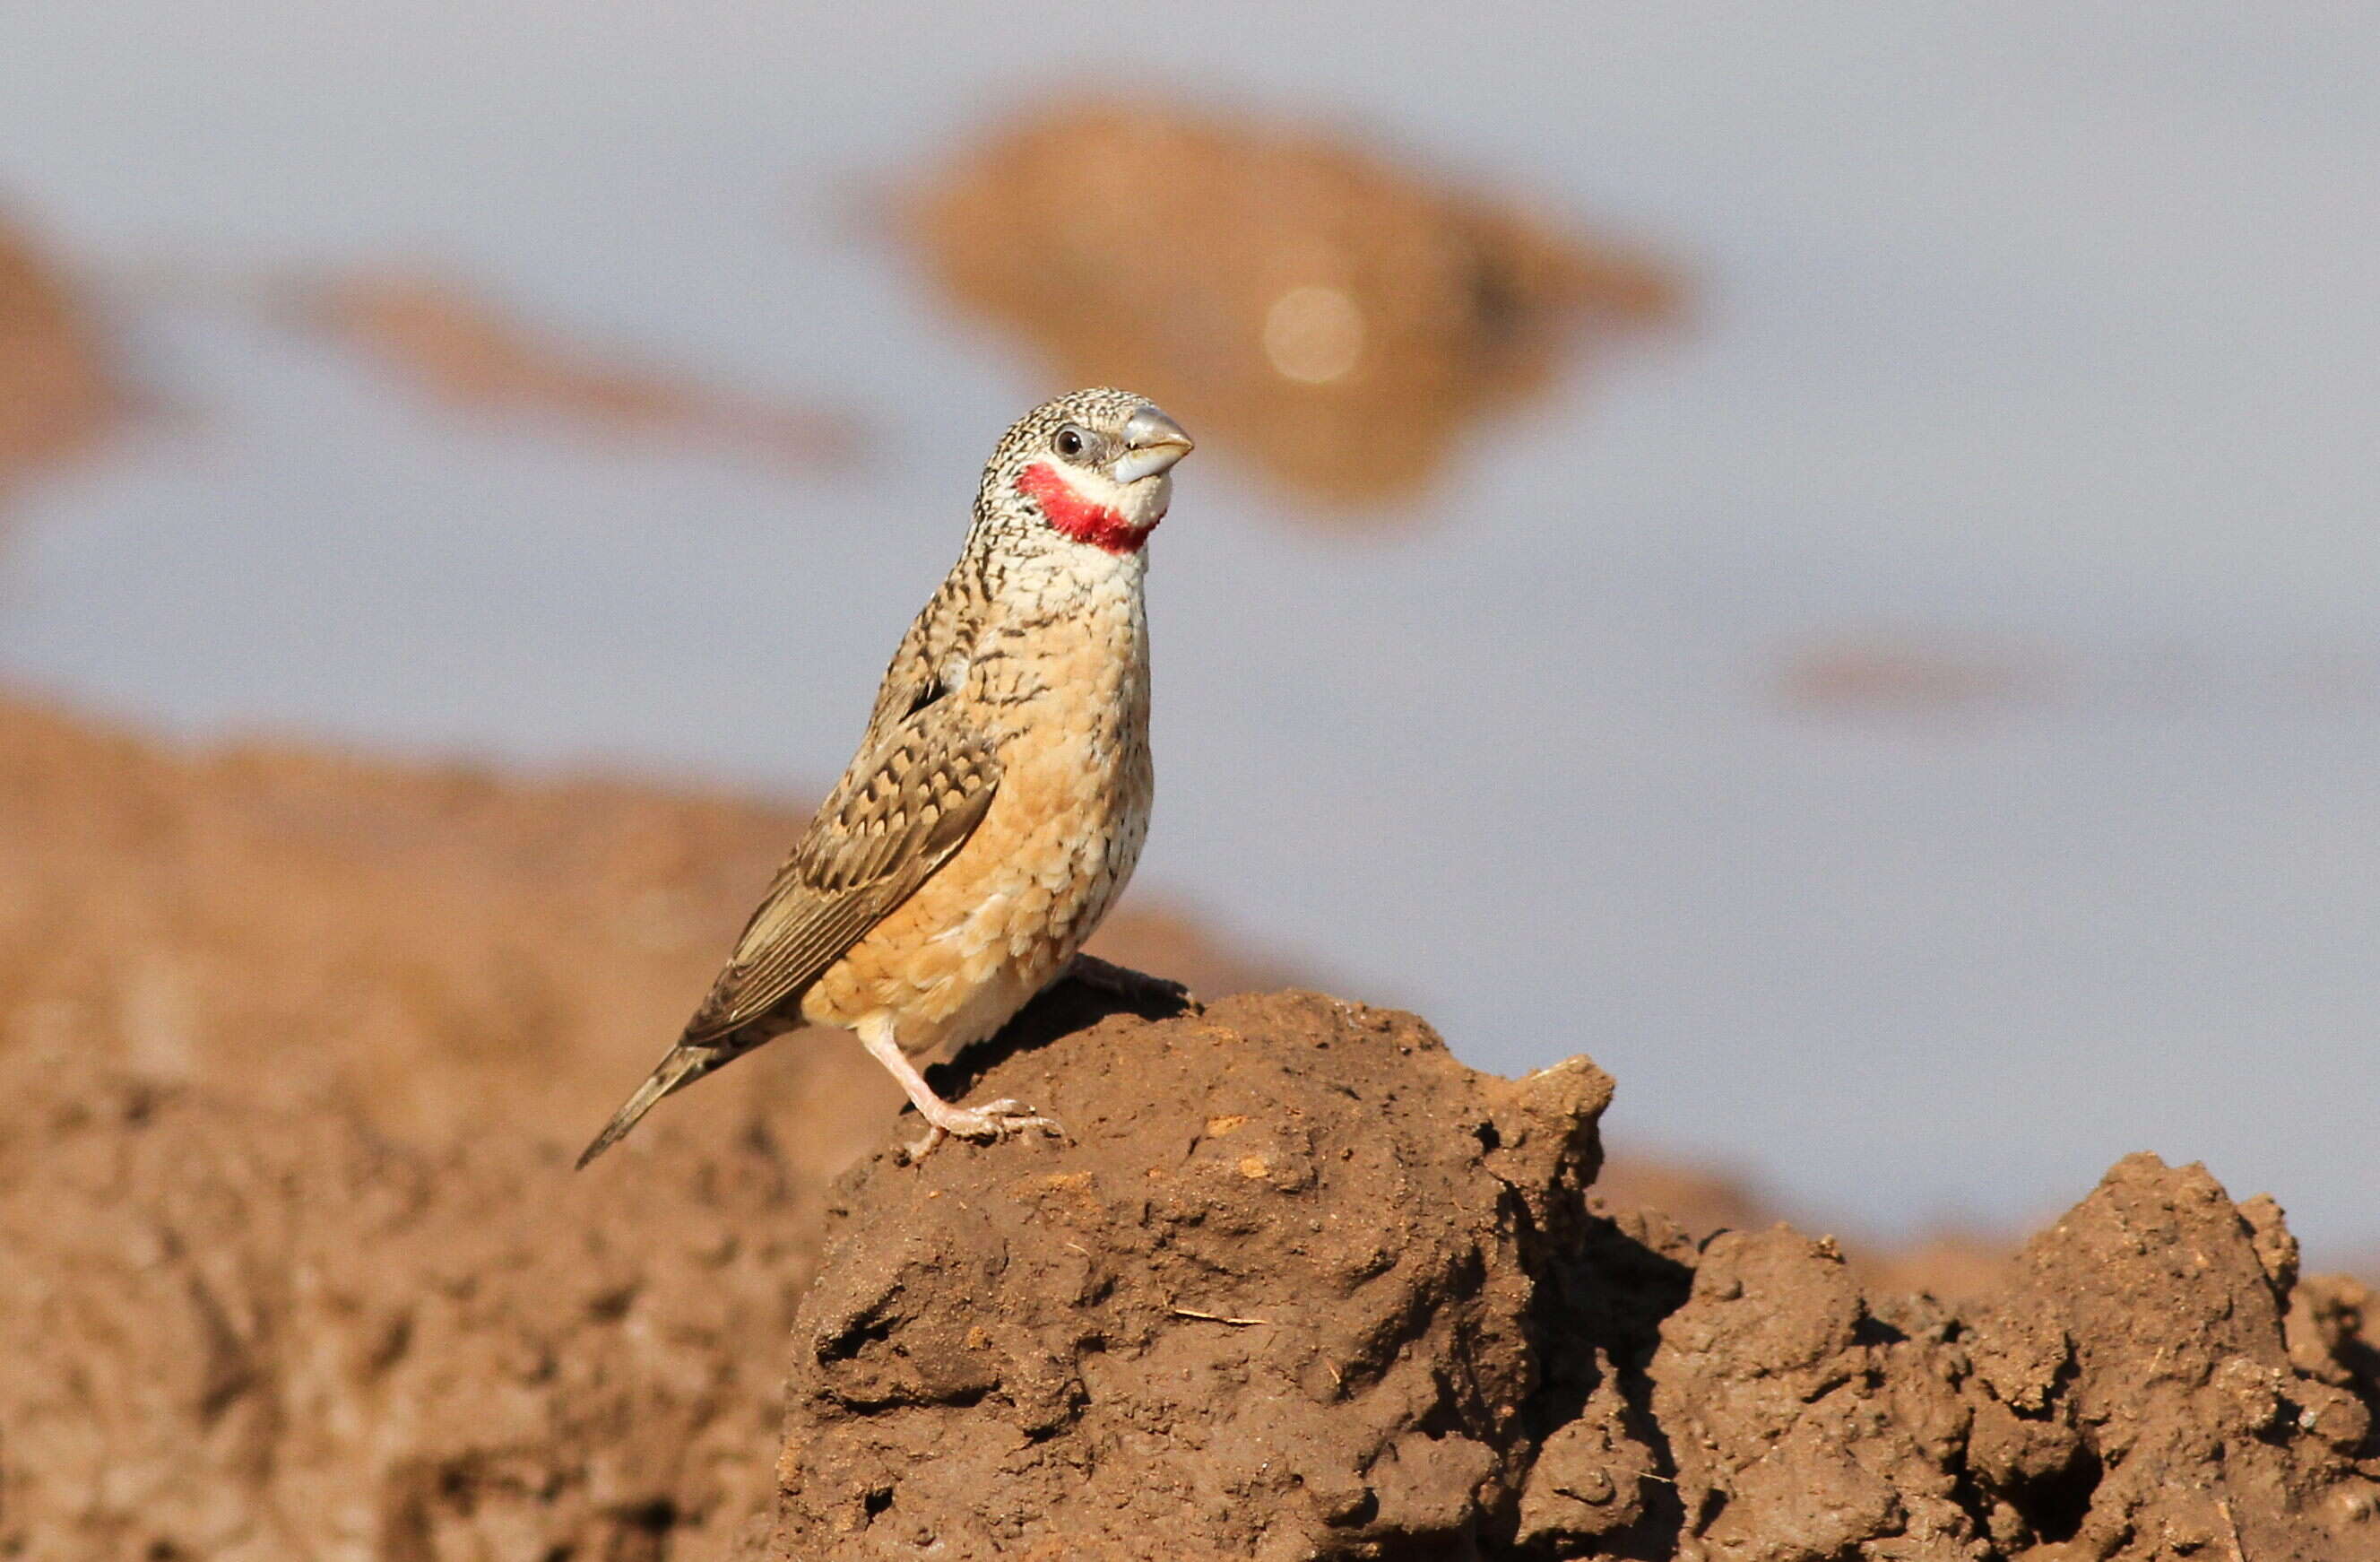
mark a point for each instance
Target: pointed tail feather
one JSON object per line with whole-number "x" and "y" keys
{"x": 680, "y": 1068}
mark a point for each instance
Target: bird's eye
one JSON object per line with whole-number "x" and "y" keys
{"x": 1071, "y": 442}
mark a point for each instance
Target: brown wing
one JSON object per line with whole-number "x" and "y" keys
{"x": 938, "y": 637}
{"x": 903, "y": 810}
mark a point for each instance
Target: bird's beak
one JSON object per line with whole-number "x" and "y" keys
{"x": 1153, "y": 442}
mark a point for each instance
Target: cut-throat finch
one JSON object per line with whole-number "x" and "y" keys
{"x": 999, "y": 801}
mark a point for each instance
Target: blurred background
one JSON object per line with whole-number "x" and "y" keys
{"x": 1823, "y": 556}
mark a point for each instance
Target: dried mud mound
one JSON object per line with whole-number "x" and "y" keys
{"x": 229, "y": 1332}
{"x": 1274, "y": 1290}
{"x": 1303, "y": 1286}
{"x": 2151, "y": 1381}
{"x": 295, "y": 1050}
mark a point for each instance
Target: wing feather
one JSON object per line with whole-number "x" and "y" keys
{"x": 903, "y": 810}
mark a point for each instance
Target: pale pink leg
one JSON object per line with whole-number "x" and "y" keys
{"x": 992, "y": 1121}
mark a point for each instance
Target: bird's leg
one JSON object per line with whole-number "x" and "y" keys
{"x": 1135, "y": 987}
{"x": 992, "y": 1121}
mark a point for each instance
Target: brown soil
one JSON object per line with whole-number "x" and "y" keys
{"x": 54, "y": 393}
{"x": 1954, "y": 1263}
{"x": 444, "y": 340}
{"x": 1329, "y": 312}
{"x": 296, "y": 1049}
{"x": 229, "y": 1330}
{"x": 452, "y": 954}
{"x": 1304, "y": 1285}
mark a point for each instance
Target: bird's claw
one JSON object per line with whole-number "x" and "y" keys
{"x": 991, "y": 1121}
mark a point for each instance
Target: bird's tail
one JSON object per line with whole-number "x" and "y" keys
{"x": 683, "y": 1065}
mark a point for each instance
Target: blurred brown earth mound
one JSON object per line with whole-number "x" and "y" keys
{"x": 1953, "y": 1262}
{"x": 1875, "y": 675}
{"x": 451, "y": 952}
{"x": 1303, "y": 1286}
{"x": 1342, "y": 320}
{"x": 55, "y": 395}
{"x": 296, "y": 1048}
{"x": 466, "y": 352}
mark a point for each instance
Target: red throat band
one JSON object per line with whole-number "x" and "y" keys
{"x": 1077, "y": 516}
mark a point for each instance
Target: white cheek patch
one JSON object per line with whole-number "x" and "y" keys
{"x": 1093, "y": 487}
{"x": 1141, "y": 503}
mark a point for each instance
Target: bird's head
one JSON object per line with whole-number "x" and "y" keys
{"x": 1094, "y": 468}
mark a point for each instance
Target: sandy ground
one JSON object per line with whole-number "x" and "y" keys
{"x": 298, "y": 1048}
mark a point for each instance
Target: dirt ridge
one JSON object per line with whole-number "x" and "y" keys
{"x": 1304, "y": 1285}
{"x": 295, "y": 1049}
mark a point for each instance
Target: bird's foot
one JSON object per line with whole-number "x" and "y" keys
{"x": 991, "y": 1121}
{"x": 1134, "y": 987}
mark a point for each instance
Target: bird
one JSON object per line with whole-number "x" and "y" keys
{"x": 1000, "y": 800}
